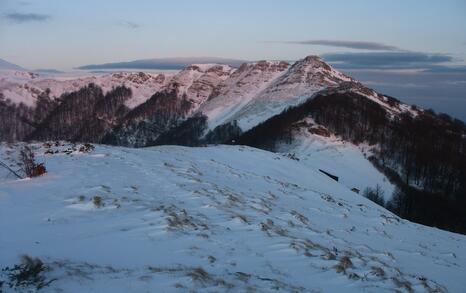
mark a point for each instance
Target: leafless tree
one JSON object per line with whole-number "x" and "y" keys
{"x": 28, "y": 163}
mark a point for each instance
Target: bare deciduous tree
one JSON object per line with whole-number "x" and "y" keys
{"x": 28, "y": 163}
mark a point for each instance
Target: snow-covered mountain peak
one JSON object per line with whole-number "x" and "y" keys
{"x": 253, "y": 76}
{"x": 241, "y": 88}
{"x": 197, "y": 81}
{"x": 211, "y": 67}
{"x": 265, "y": 88}
{"x": 314, "y": 59}
{"x": 198, "y": 67}
{"x": 221, "y": 70}
{"x": 312, "y": 69}
{"x": 263, "y": 66}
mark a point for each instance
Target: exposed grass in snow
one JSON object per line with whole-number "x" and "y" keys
{"x": 225, "y": 218}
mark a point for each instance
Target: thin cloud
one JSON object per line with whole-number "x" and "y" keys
{"x": 443, "y": 91}
{"x": 17, "y": 17}
{"x": 360, "y": 45}
{"x": 129, "y": 24}
{"x": 388, "y": 60}
{"x": 163, "y": 63}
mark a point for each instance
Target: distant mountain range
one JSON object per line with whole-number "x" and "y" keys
{"x": 175, "y": 63}
{"x": 163, "y": 63}
{"x": 5, "y": 65}
{"x": 48, "y": 71}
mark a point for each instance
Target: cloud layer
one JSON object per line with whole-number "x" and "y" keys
{"x": 388, "y": 60}
{"x": 442, "y": 91}
{"x": 163, "y": 63}
{"x": 17, "y": 17}
{"x": 361, "y": 45}
{"x": 428, "y": 80}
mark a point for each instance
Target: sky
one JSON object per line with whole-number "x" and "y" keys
{"x": 413, "y": 50}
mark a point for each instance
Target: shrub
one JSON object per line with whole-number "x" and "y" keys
{"x": 29, "y": 273}
{"x": 86, "y": 148}
{"x": 97, "y": 200}
{"x": 28, "y": 163}
{"x": 344, "y": 263}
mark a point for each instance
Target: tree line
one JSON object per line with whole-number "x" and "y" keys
{"x": 423, "y": 154}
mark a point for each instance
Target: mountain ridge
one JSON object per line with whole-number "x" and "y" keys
{"x": 261, "y": 104}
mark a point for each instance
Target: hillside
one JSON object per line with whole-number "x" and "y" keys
{"x": 224, "y": 218}
{"x": 309, "y": 110}
{"x": 419, "y": 152}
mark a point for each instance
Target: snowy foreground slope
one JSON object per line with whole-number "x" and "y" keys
{"x": 223, "y": 218}
{"x": 340, "y": 158}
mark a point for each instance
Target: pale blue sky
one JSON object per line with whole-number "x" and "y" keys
{"x": 391, "y": 35}
{"x": 97, "y": 31}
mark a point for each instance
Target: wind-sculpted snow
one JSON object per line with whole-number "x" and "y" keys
{"x": 214, "y": 219}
